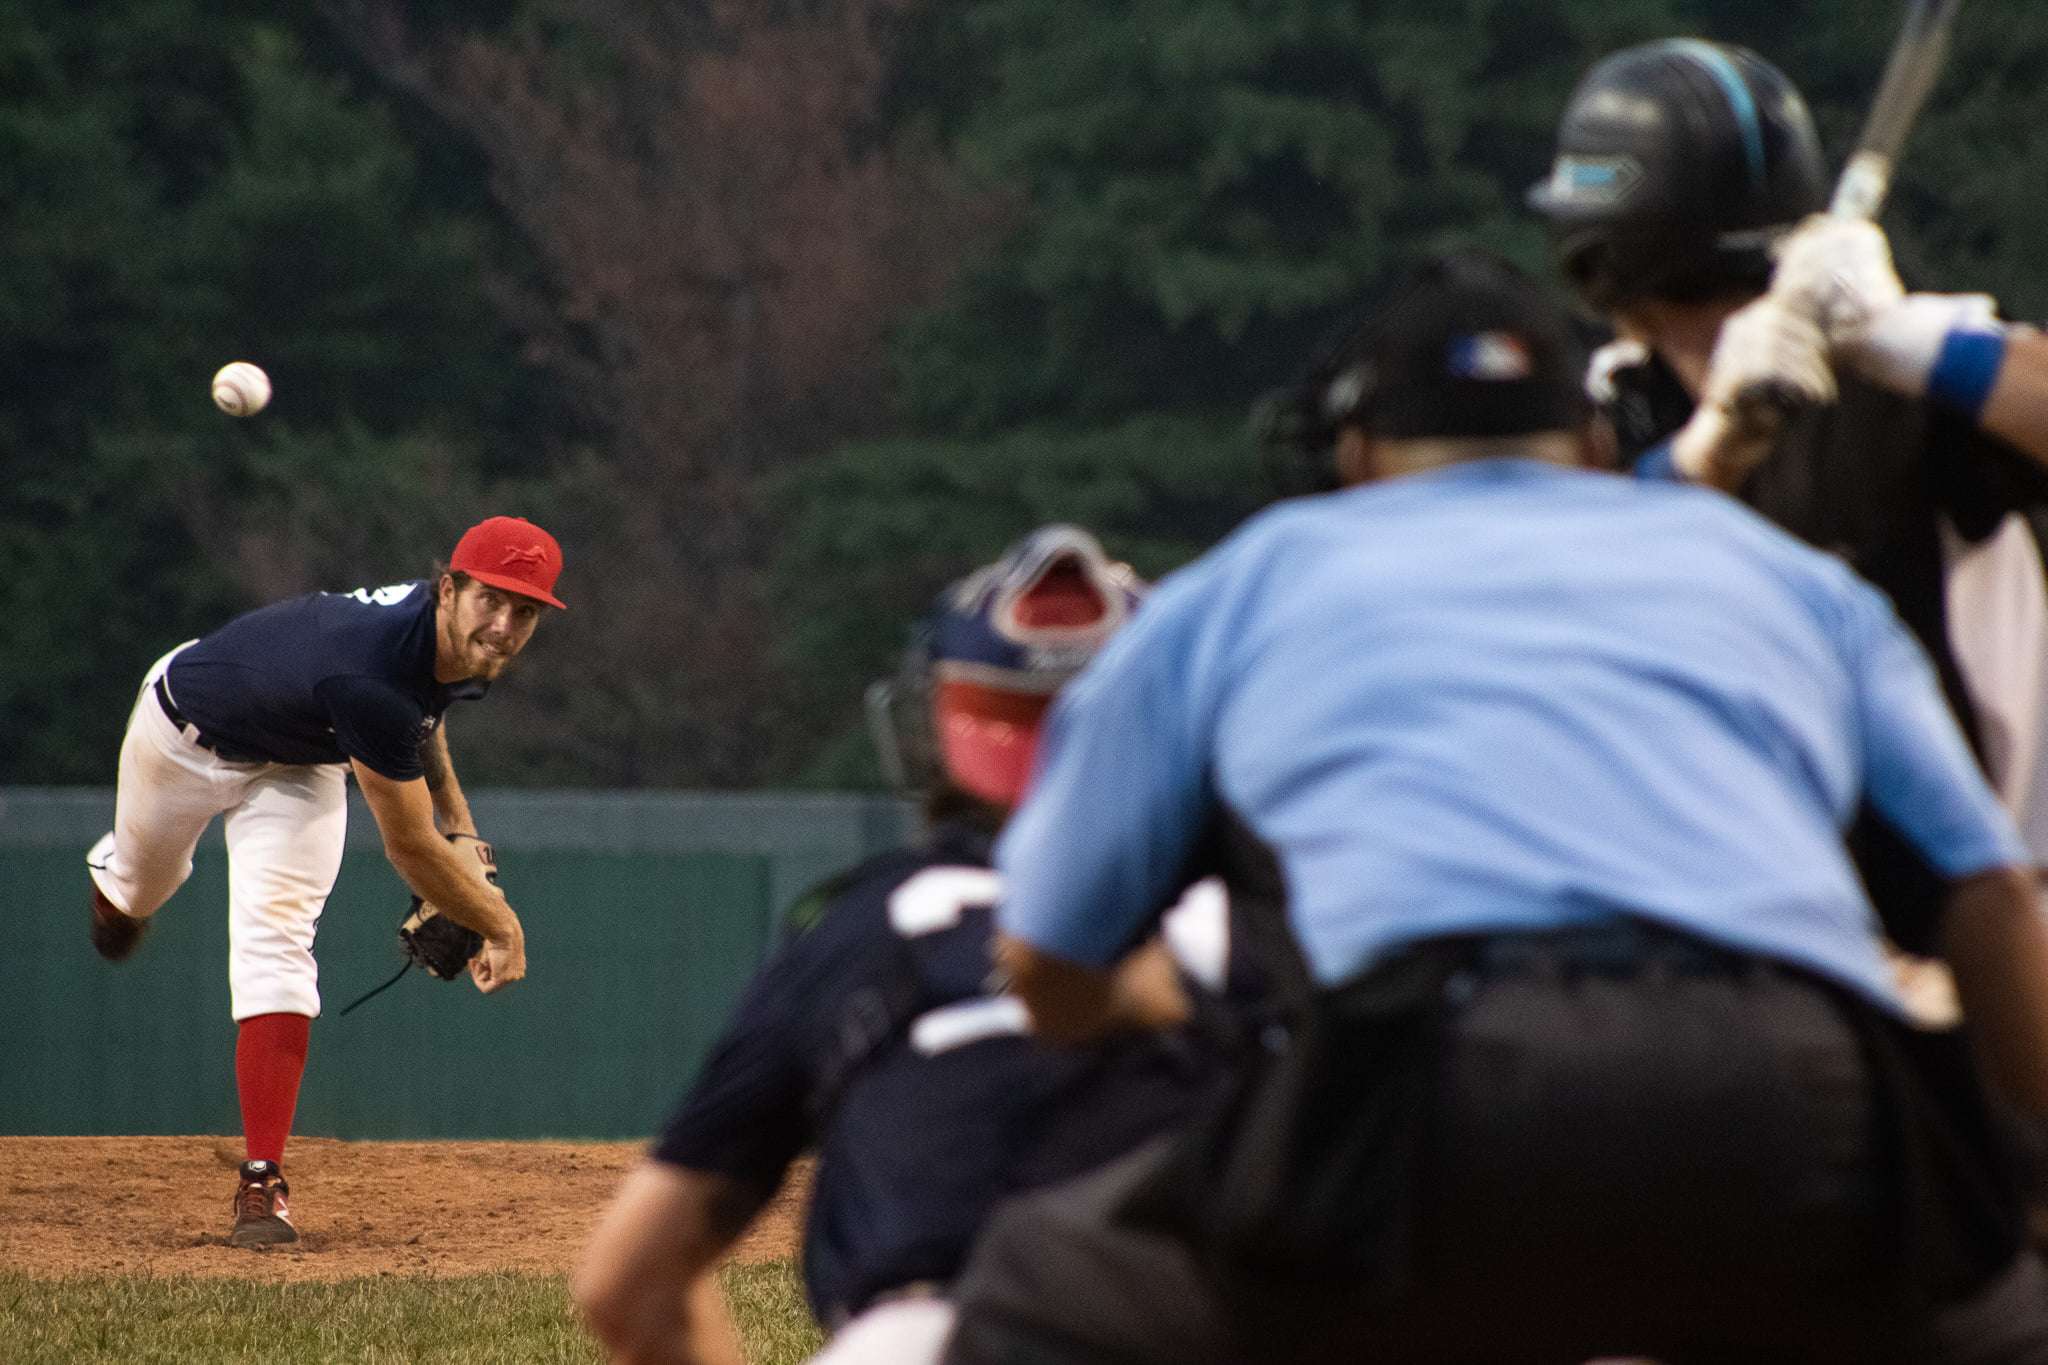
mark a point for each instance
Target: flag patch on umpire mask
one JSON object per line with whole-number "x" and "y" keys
{"x": 1490, "y": 356}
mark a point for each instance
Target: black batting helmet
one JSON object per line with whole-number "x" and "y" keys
{"x": 1678, "y": 163}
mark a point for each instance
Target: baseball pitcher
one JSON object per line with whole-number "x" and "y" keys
{"x": 261, "y": 723}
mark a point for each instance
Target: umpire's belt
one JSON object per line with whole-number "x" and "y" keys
{"x": 197, "y": 735}
{"x": 1625, "y": 947}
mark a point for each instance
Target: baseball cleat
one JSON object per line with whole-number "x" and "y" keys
{"x": 262, "y": 1217}
{"x": 114, "y": 934}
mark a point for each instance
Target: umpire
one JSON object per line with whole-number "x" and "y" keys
{"x": 1534, "y": 779}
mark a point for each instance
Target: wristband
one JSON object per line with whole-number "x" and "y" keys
{"x": 1943, "y": 347}
{"x": 1966, "y": 369}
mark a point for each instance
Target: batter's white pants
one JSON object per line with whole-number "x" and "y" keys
{"x": 284, "y": 823}
{"x": 901, "y": 1332}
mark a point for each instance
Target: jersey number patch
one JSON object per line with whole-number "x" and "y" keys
{"x": 384, "y": 597}
{"x": 934, "y": 900}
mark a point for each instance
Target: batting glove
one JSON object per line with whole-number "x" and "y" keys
{"x": 1770, "y": 360}
{"x": 1946, "y": 347}
{"x": 1839, "y": 272}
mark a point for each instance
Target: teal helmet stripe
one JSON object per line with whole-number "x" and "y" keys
{"x": 1743, "y": 104}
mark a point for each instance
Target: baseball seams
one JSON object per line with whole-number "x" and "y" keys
{"x": 285, "y": 829}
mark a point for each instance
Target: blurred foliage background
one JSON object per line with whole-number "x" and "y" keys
{"x": 779, "y": 313}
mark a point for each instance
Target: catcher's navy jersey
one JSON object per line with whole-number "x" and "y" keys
{"x": 322, "y": 678}
{"x": 871, "y": 1035}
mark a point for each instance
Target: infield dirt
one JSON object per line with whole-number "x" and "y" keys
{"x": 161, "y": 1206}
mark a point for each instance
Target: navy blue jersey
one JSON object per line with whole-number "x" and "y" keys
{"x": 322, "y": 679}
{"x": 871, "y": 1035}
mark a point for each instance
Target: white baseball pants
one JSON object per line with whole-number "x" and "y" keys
{"x": 284, "y": 825}
{"x": 901, "y": 1332}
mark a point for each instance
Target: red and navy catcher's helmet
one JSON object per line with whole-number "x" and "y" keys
{"x": 984, "y": 665}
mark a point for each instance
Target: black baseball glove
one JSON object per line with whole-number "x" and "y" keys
{"x": 436, "y": 942}
{"x": 430, "y": 939}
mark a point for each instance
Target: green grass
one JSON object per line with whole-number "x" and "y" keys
{"x": 388, "y": 1320}
{"x": 768, "y": 1306}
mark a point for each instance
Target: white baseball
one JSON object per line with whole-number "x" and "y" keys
{"x": 240, "y": 389}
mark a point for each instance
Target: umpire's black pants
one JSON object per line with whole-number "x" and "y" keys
{"x": 1671, "y": 1152}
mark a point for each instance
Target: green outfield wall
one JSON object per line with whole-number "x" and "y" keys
{"x": 645, "y": 913}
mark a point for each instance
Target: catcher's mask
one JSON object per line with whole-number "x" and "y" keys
{"x": 983, "y": 666}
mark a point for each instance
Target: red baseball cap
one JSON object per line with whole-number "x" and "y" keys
{"x": 510, "y": 553}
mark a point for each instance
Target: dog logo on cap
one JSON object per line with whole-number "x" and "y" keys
{"x": 522, "y": 557}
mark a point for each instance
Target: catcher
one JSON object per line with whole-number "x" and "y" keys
{"x": 261, "y": 723}
{"x": 873, "y": 1034}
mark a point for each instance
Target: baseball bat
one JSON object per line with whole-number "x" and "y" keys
{"x": 1909, "y": 76}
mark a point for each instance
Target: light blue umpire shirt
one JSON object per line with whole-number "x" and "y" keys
{"x": 1504, "y": 695}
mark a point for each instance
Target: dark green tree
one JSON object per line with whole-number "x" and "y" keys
{"x": 1961, "y": 209}
{"x": 726, "y": 230}
{"x": 183, "y": 187}
{"x": 633, "y": 269}
{"x": 1202, "y": 188}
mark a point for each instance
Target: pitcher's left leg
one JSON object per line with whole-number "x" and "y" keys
{"x": 284, "y": 851}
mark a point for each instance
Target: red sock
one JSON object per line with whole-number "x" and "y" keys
{"x": 270, "y": 1057}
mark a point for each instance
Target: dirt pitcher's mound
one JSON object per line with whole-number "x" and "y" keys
{"x": 162, "y": 1206}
